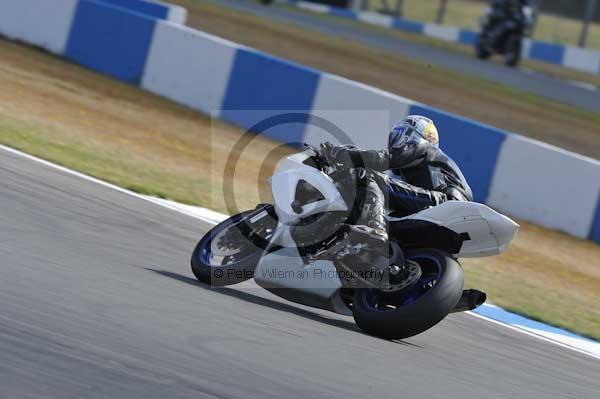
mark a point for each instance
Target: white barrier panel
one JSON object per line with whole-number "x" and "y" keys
{"x": 177, "y": 15}
{"x": 447, "y": 33}
{"x": 42, "y": 23}
{"x": 320, "y": 8}
{"x": 582, "y": 59}
{"x": 189, "y": 66}
{"x": 368, "y": 113}
{"x": 376, "y": 18}
{"x": 546, "y": 185}
{"x": 526, "y": 48}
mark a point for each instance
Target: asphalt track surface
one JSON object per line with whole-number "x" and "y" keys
{"x": 520, "y": 78}
{"x": 97, "y": 300}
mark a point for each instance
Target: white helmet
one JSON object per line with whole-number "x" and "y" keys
{"x": 413, "y": 129}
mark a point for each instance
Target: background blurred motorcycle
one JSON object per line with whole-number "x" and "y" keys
{"x": 503, "y": 28}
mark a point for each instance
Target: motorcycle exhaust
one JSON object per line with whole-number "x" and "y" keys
{"x": 469, "y": 300}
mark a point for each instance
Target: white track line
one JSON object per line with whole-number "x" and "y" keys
{"x": 212, "y": 217}
{"x": 522, "y": 330}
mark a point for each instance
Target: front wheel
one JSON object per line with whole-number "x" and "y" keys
{"x": 230, "y": 251}
{"x": 512, "y": 55}
{"x": 481, "y": 51}
{"x": 402, "y": 314}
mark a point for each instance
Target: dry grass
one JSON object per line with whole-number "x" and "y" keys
{"x": 74, "y": 106}
{"x": 479, "y": 99}
{"x": 545, "y": 275}
{"x": 118, "y": 133}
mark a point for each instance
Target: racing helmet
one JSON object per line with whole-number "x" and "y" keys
{"x": 414, "y": 129}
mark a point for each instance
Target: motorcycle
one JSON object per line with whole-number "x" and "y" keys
{"x": 297, "y": 249}
{"x": 503, "y": 34}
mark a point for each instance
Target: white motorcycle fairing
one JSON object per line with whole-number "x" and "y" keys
{"x": 286, "y": 182}
{"x": 284, "y": 273}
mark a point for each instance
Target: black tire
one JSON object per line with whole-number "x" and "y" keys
{"x": 512, "y": 56}
{"x": 481, "y": 51}
{"x": 237, "y": 271}
{"x": 426, "y": 311}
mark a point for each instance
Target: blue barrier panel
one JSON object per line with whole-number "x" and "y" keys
{"x": 517, "y": 320}
{"x": 342, "y": 12}
{"x": 547, "y": 52}
{"x": 261, "y": 83}
{"x": 145, "y": 7}
{"x": 595, "y": 232}
{"x": 467, "y": 37}
{"x": 406, "y": 25}
{"x": 110, "y": 40}
{"x": 472, "y": 145}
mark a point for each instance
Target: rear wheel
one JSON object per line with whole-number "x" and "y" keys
{"x": 409, "y": 312}
{"x": 230, "y": 251}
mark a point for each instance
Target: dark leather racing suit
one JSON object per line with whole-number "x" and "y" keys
{"x": 421, "y": 176}
{"x": 510, "y": 11}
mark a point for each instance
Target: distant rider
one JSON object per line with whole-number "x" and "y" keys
{"x": 420, "y": 175}
{"x": 506, "y": 10}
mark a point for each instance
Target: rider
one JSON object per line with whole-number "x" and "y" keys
{"x": 503, "y": 10}
{"x": 420, "y": 175}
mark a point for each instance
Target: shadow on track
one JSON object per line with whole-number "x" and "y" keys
{"x": 350, "y": 326}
